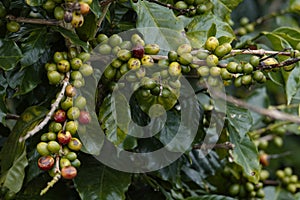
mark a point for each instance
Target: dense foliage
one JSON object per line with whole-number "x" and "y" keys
{"x": 214, "y": 84}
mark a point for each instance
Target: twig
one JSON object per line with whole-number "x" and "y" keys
{"x": 278, "y": 65}
{"x": 51, "y": 183}
{"x": 102, "y": 17}
{"x": 50, "y": 22}
{"x": 205, "y": 147}
{"x": 12, "y": 116}
{"x": 270, "y": 127}
{"x": 54, "y": 106}
{"x": 170, "y": 6}
{"x": 275, "y": 114}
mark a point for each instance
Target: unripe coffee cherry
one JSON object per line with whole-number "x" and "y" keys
{"x": 203, "y": 71}
{"x": 60, "y": 116}
{"x": 211, "y": 43}
{"x": 75, "y": 144}
{"x": 86, "y": 70}
{"x": 53, "y": 147}
{"x": 254, "y": 60}
{"x": 212, "y": 60}
{"x": 234, "y": 189}
{"x": 232, "y": 67}
{"x": 147, "y": 61}
{"x": 58, "y": 56}
{"x": 68, "y": 172}
{"x": 73, "y": 113}
{"x": 77, "y": 20}
{"x": 64, "y": 162}
{"x": 54, "y": 77}
{"x": 46, "y": 162}
{"x": 172, "y": 56}
{"x": 42, "y": 148}
{"x": 185, "y": 58}
{"x": 63, "y": 66}
{"x": 115, "y": 40}
{"x": 184, "y": 48}
{"x": 151, "y": 49}
{"x": 71, "y": 156}
{"x": 134, "y": 63}
{"x": 174, "y": 69}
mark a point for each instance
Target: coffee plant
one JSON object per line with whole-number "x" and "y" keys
{"x": 149, "y": 99}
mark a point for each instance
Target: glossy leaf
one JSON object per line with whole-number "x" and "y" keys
{"x": 259, "y": 98}
{"x": 293, "y": 86}
{"x": 245, "y": 154}
{"x": 198, "y": 29}
{"x": 97, "y": 181}
{"x": 95, "y": 8}
{"x": 88, "y": 29}
{"x": 240, "y": 119}
{"x": 108, "y": 119}
{"x": 159, "y": 25}
{"x": 34, "y": 46}
{"x": 13, "y": 154}
{"x": 10, "y": 54}
{"x": 3, "y": 86}
{"x": 72, "y": 37}
{"x": 292, "y": 35}
{"x": 277, "y": 193}
{"x": 15, "y": 175}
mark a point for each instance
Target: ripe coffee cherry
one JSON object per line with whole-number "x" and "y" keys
{"x": 211, "y": 43}
{"x": 84, "y": 117}
{"x": 75, "y": 144}
{"x": 264, "y": 159}
{"x": 84, "y": 8}
{"x": 60, "y": 116}
{"x": 42, "y": 148}
{"x": 138, "y": 51}
{"x": 64, "y": 137}
{"x": 53, "y": 147}
{"x": 68, "y": 172}
{"x": 46, "y": 162}
{"x": 174, "y": 69}
{"x": 68, "y": 16}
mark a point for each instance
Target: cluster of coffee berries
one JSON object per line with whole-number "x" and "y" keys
{"x": 212, "y": 53}
{"x": 245, "y": 27}
{"x": 241, "y": 188}
{"x": 69, "y": 62}
{"x": 59, "y": 145}
{"x": 71, "y": 11}
{"x": 194, "y": 7}
{"x": 288, "y": 180}
{"x": 133, "y": 63}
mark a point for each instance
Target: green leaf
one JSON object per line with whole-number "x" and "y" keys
{"x": 245, "y": 154}
{"x": 292, "y": 88}
{"x": 159, "y": 25}
{"x": 15, "y": 175}
{"x": 34, "y": 46}
{"x": 278, "y": 42}
{"x": 292, "y": 35}
{"x": 89, "y": 28}
{"x": 210, "y": 197}
{"x": 13, "y": 152}
{"x": 277, "y": 193}
{"x": 97, "y": 181}
{"x": 95, "y": 8}
{"x": 197, "y": 30}
{"x": 108, "y": 119}
{"x": 72, "y": 37}
{"x": 240, "y": 118}
{"x": 10, "y": 54}
{"x": 260, "y": 98}
{"x": 3, "y": 87}
{"x": 35, "y": 2}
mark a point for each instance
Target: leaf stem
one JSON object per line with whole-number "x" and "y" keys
{"x": 268, "y": 128}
